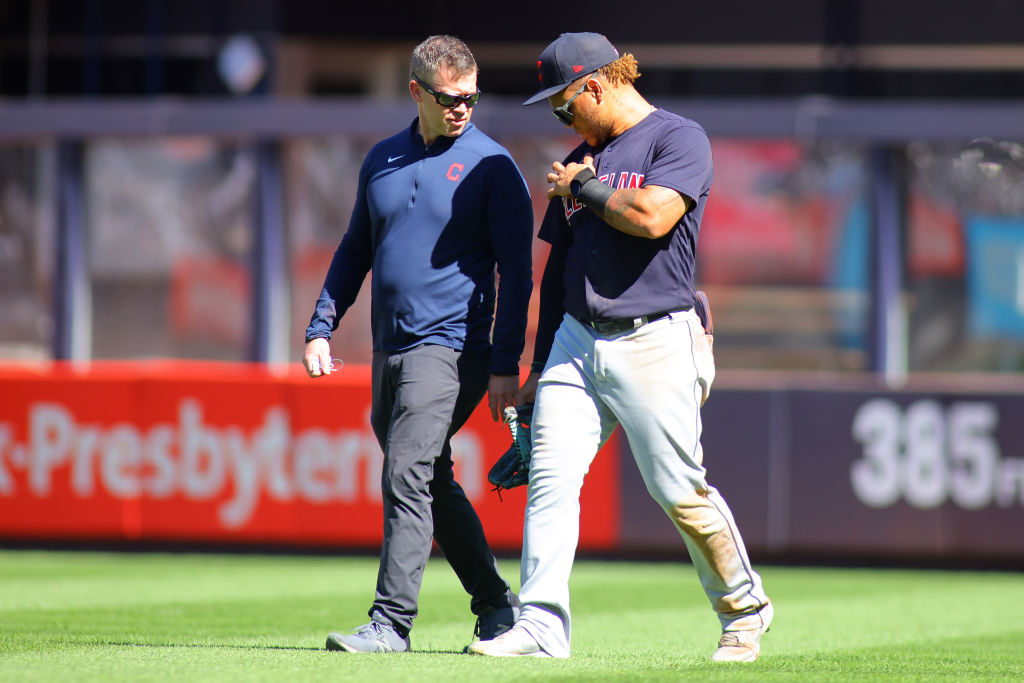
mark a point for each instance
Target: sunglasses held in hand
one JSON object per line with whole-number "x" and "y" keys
{"x": 336, "y": 364}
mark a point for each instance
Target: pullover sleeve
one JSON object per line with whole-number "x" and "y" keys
{"x": 351, "y": 262}
{"x": 510, "y": 223}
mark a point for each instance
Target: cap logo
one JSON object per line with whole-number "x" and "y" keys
{"x": 568, "y": 58}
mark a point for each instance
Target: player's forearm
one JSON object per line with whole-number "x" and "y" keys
{"x": 628, "y": 210}
{"x": 650, "y": 211}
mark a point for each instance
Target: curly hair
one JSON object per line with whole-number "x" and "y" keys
{"x": 623, "y": 70}
{"x": 442, "y": 52}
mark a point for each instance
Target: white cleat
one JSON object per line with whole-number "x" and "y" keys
{"x": 745, "y": 645}
{"x": 515, "y": 642}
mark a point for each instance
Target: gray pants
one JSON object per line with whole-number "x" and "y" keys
{"x": 421, "y": 397}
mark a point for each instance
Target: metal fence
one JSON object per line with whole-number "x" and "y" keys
{"x": 889, "y": 234}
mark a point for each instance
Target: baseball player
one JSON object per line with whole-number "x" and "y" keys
{"x": 440, "y": 206}
{"x": 619, "y": 343}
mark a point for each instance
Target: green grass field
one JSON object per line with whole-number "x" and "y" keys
{"x": 133, "y": 617}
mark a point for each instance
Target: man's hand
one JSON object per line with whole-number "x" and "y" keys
{"x": 528, "y": 392}
{"x": 317, "y": 358}
{"x": 561, "y": 176}
{"x": 501, "y": 392}
{"x": 649, "y": 211}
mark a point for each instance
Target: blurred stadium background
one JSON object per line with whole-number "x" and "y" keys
{"x": 175, "y": 176}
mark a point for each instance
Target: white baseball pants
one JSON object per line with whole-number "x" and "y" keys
{"x": 650, "y": 381}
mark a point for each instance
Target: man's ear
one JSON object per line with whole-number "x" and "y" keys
{"x": 596, "y": 88}
{"x": 415, "y": 91}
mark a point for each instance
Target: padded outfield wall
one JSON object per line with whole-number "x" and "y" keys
{"x": 233, "y": 455}
{"x": 224, "y": 454}
{"x": 850, "y": 469}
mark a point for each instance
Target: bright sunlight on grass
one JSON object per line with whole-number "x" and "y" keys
{"x": 193, "y": 617}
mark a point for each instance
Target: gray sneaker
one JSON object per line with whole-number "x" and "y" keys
{"x": 496, "y": 620}
{"x": 372, "y": 637}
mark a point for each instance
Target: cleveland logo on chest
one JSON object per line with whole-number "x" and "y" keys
{"x": 616, "y": 180}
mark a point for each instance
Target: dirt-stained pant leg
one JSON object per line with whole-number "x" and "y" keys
{"x": 657, "y": 398}
{"x": 650, "y": 380}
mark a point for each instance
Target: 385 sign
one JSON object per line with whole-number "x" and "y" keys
{"x": 927, "y": 454}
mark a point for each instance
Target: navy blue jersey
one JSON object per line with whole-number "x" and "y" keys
{"x": 432, "y": 222}
{"x": 607, "y": 273}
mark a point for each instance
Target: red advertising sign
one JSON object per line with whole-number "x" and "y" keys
{"x": 208, "y": 452}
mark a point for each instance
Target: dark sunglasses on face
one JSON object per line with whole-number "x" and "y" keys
{"x": 562, "y": 113}
{"x": 449, "y": 101}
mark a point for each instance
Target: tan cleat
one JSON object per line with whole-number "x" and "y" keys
{"x": 512, "y": 643}
{"x": 745, "y": 645}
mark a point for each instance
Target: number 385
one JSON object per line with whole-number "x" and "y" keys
{"x": 925, "y": 454}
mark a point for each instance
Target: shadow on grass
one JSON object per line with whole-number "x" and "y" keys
{"x": 123, "y": 643}
{"x": 290, "y": 648}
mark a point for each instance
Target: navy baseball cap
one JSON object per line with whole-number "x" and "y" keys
{"x": 571, "y": 56}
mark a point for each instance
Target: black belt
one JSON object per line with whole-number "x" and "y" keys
{"x": 625, "y": 324}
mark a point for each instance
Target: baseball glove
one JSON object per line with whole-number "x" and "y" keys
{"x": 513, "y": 468}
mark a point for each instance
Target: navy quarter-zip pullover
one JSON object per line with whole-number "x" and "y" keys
{"x": 431, "y": 223}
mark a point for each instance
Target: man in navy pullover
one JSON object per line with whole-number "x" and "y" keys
{"x": 438, "y": 207}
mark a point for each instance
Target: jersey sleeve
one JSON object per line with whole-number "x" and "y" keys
{"x": 553, "y": 230}
{"x": 554, "y": 227}
{"x": 682, "y": 161}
